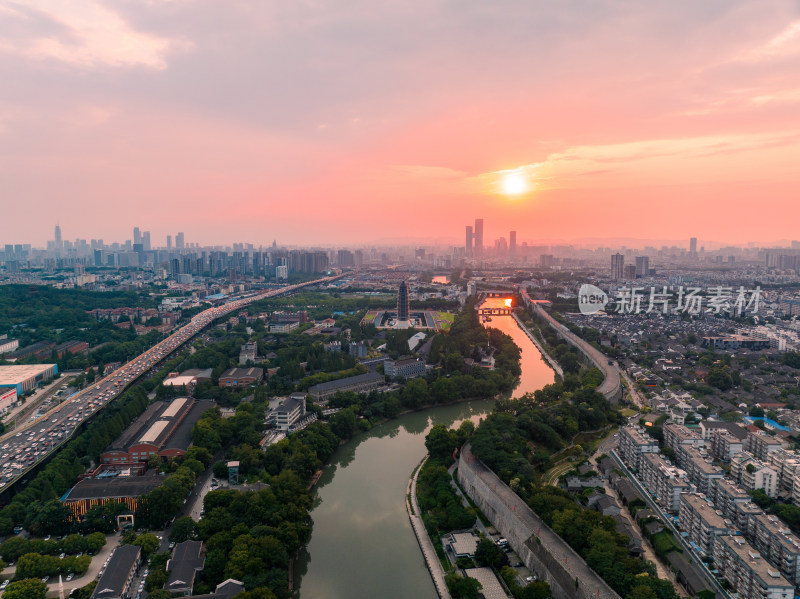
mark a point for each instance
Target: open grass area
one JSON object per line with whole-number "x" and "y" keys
{"x": 444, "y": 320}
{"x": 627, "y": 412}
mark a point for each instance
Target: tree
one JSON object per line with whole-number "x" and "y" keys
{"x": 489, "y": 554}
{"x": 462, "y": 587}
{"x": 153, "y": 461}
{"x": 183, "y": 529}
{"x": 343, "y": 423}
{"x": 28, "y": 588}
{"x": 441, "y": 442}
{"x": 148, "y": 542}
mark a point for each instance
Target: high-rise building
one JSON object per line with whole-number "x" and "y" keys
{"x": 642, "y": 266}
{"x": 693, "y": 245}
{"x": 468, "y": 241}
{"x": 478, "y": 238}
{"x": 59, "y": 244}
{"x": 179, "y": 242}
{"x": 512, "y": 245}
{"x": 137, "y": 236}
{"x": 169, "y": 242}
{"x": 403, "y": 304}
{"x": 617, "y": 266}
{"x": 146, "y": 241}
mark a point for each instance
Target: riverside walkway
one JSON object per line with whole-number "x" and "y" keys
{"x": 425, "y": 544}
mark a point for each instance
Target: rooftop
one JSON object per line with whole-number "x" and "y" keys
{"x": 16, "y": 373}
{"x": 118, "y": 486}
{"x": 760, "y": 567}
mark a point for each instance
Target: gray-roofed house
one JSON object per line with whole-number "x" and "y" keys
{"x": 119, "y": 574}
{"x": 182, "y": 568}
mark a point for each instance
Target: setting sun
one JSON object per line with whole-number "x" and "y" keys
{"x": 514, "y": 184}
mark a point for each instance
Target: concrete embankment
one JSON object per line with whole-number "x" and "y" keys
{"x": 425, "y": 543}
{"x": 541, "y": 549}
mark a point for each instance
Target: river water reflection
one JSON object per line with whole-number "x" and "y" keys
{"x": 363, "y": 545}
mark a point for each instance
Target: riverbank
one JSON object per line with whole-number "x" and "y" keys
{"x": 426, "y": 546}
{"x": 547, "y": 357}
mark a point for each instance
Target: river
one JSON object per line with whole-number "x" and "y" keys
{"x": 363, "y": 545}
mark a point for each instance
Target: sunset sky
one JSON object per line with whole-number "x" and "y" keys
{"x": 350, "y": 121}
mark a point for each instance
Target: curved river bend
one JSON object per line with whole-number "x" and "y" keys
{"x": 363, "y": 545}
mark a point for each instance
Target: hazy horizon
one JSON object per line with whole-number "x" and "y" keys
{"x": 324, "y": 123}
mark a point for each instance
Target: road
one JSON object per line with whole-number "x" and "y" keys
{"x": 23, "y": 410}
{"x": 22, "y": 449}
{"x": 610, "y": 387}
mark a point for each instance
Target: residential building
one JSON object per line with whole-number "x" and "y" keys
{"x": 617, "y": 267}
{"x": 776, "y": 542}
{"x": 748, "y": 572}
{"x": 665, "y": 481}
{"x": 703, "y": 523}
{"x": 182, "y": 568}
{"x": 676, "y": 435}
{"x": 633, "y": 443}
{"x": 735, "y": 503}
{"x": 760, "y": 444}
{"x": 248, "y": 353}
{"x": 708, "y": 426}
{"x": 787, "y": 465}
{"x": 724, "y": 444}
{"x": 752, "y": 473}
{"x": 699, "y": 468}
{"x": 115, "y": 583}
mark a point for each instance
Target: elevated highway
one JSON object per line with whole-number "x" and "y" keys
{"x": 29, "y": 446}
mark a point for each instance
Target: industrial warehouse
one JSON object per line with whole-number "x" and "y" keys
{"x": 164, "y": 429}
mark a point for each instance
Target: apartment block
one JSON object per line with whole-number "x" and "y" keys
{"x": 676, "y": 435}
{"x": 760, "y": 444}
{"x": 724, "y": 444}
{"x": 787, "y": 466}
{"x": 702, "y": 522}
{"x": 699, "y": 468}
{"x": 751, "y": 473}
{"x": 735, "y": 504}
{"x": 634, "y": 442}
{"x": 777, "y": 544}
{"x": 748, "y": 572}
{"x": 664, "y": 480}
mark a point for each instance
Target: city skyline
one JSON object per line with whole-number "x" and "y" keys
{"x": 577, "y": 124}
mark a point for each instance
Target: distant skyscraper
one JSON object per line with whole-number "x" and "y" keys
{"x": 403, "y": 304}
{"x": 179, "y": 242}
{"x": 59, "y": 243}
{"x": 146, "y": 241}
{"x": 478, "y": 237}
{"x": 642, "y": 266}
{"x": 512, "y": 245}
{"x": 468, "y": 241}
{"x": 693, "y": 245}
{"x": 617, "y": 266}
{"x": 169, "y": 242}
{"x": 137, "y": 236}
